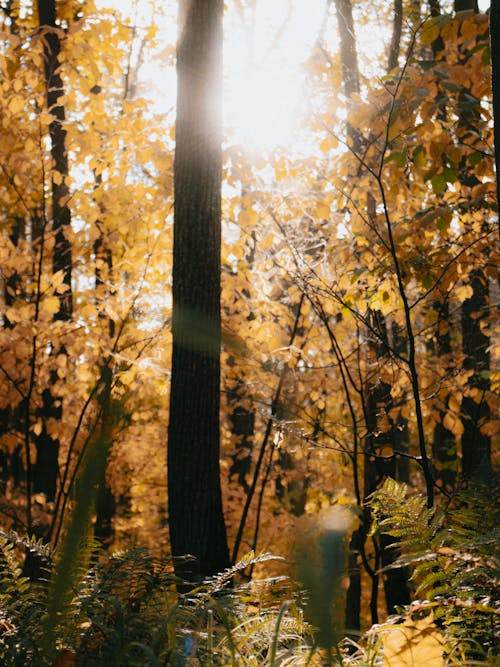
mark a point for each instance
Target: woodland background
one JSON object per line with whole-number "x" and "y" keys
{"x": 358, "y": 289}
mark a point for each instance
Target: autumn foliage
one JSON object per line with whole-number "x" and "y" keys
{"x": 358, "y": 290}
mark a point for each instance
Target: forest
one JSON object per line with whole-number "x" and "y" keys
{"x": 249, "y": 359}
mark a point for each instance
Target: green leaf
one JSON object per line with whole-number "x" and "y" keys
{"x": 450, "y": 174}
{"x": 475, "y": 158}
{"x": 438, "y": 182}
{"x": 419, "y": 156}
{"x": 398, "y": 157}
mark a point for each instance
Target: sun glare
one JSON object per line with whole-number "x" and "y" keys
{"x": 264, "y": 82}
{"x": 262, "y": 105}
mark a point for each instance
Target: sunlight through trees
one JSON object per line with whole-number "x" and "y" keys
{"x": 248, "y": 267}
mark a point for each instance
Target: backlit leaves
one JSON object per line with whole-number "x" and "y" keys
{"x": 415, "y": 642}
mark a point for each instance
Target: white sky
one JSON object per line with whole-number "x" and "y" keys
{"x": 264, "y": 83}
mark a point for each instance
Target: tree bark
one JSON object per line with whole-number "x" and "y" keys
{"x": 476, "y": 446}
{"x": 46, "y": 467}
{"x": 377, "y": 397}
{"x": 444, "y": 450}
{"x": 495, "y": 81}
{"x": 348, "y": 50}
{"x": 195, "y": 502}
{"x": 397, "y": 27}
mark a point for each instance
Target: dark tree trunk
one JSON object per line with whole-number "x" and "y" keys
{"x": 397, "y": 26}
{"x": 382, "y": 434}
{"x": 105, "y": 501}
{"x": 476, "y": 446}
{"x": 378, "y": 394}
{"x": 195, "y": 504}
{"x": 241, "y": 411}
{"x": 495, "y": 81}
{"x": 350, "y": 80}
{"x": 46, "y": 467}
{"x": 242, "y": 423}
{"x": 444, "y": 451}
{"x": 466, "y": 5}
{"x": 12, "y": 417}
{"x": 105, "y": 513}
{"x": 61, "y": 215}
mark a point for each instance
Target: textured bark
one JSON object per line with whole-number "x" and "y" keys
{"x": 444, "y": 451}
{"x": 195, "y": 504}
{"x": 61, "y": 215}
{"x": 495, "y": 81}
{"x": 348, "y": 50}
{"x": 241, "y": 412}
{"x": 381, "y": 432}
{"x": 466, "y": 5}
{"x": 105, "y": 513}
{"x": 476, "y": 446}
{"x": 105, "y": 506}
{"x": 242, "y": 423}
{"x": 377, "y": 397}
{"x": 397, "y": 26}
{"x": 46, "y": 467}
{"x": 12, "y": 418}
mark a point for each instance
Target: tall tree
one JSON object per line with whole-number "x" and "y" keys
{"x": 397, "y": 28}
{"x": 495, "y": 80}
{"x": 46, "y": 468}
{"x": 195, "y": 502}
{"x": 476, "y": 445}
{"x": 377, "y": 393}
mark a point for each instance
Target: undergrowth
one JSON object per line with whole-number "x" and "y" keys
{"x": 122, "y": 609}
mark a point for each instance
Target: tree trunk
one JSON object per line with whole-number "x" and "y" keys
{"x": 476, "y": 446}
{"x": 495, "y": 81}
{"x": 377, "y": 398}
{"x": 397, "y": 26}
{"x": 105, "y": 506}
{"x": 444, "y": 450}
{"x": 348, "y": 49}
{"x": 242, "y": 423}
{"x": 46, "y": 467}
{"x": 195, "y": 502}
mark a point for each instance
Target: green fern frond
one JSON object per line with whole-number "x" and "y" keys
{"x": 453, "y": 557}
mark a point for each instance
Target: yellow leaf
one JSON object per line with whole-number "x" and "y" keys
{"x": 13, "y": 315}
{"x": 463, "y": 292}
{"x": 413, "y": 643}
{"x": 329, "y": 143}
{"x": 266, "y": 242}
{"x": 280, "y": 169}
{"x": 454, "y": 404}
{"x": 16, "y": 105}
{"x": 322, "y": 210}
{"x": 430, "y": 32}
{"x": 57, "y": 278}
{"x": 89, "y": 310}
{"x": 51, "y": 304}
{"x": 469, "y": 28}
{"x": 247, "y": 217}
{"x": 449, "y": 422}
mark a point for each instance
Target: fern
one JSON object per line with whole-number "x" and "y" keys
{"x": 453, "y": 556}
{"x": 22, "y": 603}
